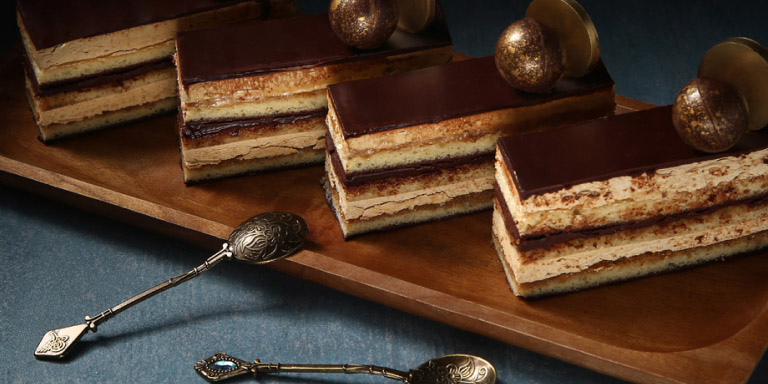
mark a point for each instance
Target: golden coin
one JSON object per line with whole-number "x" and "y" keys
{"x": 416, "y": 15}
{"x": 742, "y": 63}
{"x": 573, "y": 26}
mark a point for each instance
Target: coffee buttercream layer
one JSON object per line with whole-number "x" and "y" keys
{"x": 262, "y": 140}
{"x": 672, "y": 234}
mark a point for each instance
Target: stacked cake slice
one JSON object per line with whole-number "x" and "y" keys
{"x": 621, "y": 198}
{"x": 253, "y": 96}
{"x": 419, "y": 146}
{"x": 91, "y": 64}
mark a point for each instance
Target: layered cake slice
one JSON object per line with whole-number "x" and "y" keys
{"x": 621, "y": 198}
{"x": 96, "y": 63}
{"x": 419, "y": 146}
{"x": 253, "y": 96}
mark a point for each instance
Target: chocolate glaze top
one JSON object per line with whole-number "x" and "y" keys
{"x": 283, "y": 44}
{"x": 52, "y": 22}
{"x": 627, "y": 144}
{"x": 438, "y": 93}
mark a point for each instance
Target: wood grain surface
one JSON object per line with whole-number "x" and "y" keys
{"x": 704, "y": 324}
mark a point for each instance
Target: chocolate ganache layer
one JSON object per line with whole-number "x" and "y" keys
{"x": 443, "y": 92}
{"x": 232, "y": 127}
{"x": 408, "y": 170}
{"x": 277, "y": 45}
{"x": 625, "y": 145}
{"x": 52, "y": 22}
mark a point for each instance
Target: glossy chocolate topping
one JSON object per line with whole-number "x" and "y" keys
{"x": 442, "y": 92}
{"x": 627, "y": 144}
{"x": 52, "y": 22}
{"x": 282, "y": 44}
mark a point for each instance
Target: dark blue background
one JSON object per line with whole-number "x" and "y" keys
{"x": 60, "y": 263}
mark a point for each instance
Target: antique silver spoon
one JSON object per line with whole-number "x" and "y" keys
{"x": 448, "y": 369}
{"x": 259, "y": 240}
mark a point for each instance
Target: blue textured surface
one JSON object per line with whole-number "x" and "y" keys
{"x": 60, "y": 263}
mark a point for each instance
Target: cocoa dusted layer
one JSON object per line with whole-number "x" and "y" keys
{"x": 528, "y": 243}
{"x": 603, "y": 149}
{"x": 429, "y": 95}
{"x": 232, "y": 127}
{"x": 52, "y": 22}
{"x": 265, "y": 47}
{"x": 409, "y": 170}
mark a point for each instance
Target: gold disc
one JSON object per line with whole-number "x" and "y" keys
{"x": 416, "y": 15}
{"x": 742, "y": 63}
{"x": 573, "y": 26}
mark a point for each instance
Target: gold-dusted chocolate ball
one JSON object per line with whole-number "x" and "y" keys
{"x": 363, "y": 24}
{"x": 529, "y": 57}
{"x": 709, "y": 115}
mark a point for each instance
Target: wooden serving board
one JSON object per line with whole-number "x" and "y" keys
{"x": 704, "y": 324}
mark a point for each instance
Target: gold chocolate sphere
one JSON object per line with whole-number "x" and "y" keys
{"x": 709, "y": 115}
{"x": 363, "y": 24}
{"x": 529, "y": 57}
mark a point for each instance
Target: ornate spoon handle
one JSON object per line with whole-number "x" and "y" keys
{"x": 223, "y": 254}
{"x": 56, "y": 343}
{"x": 448, "y": 369}
{"x": 222, "y": 366}
{"x": 321, "y": 368}
{"x": 262, "y": 239}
